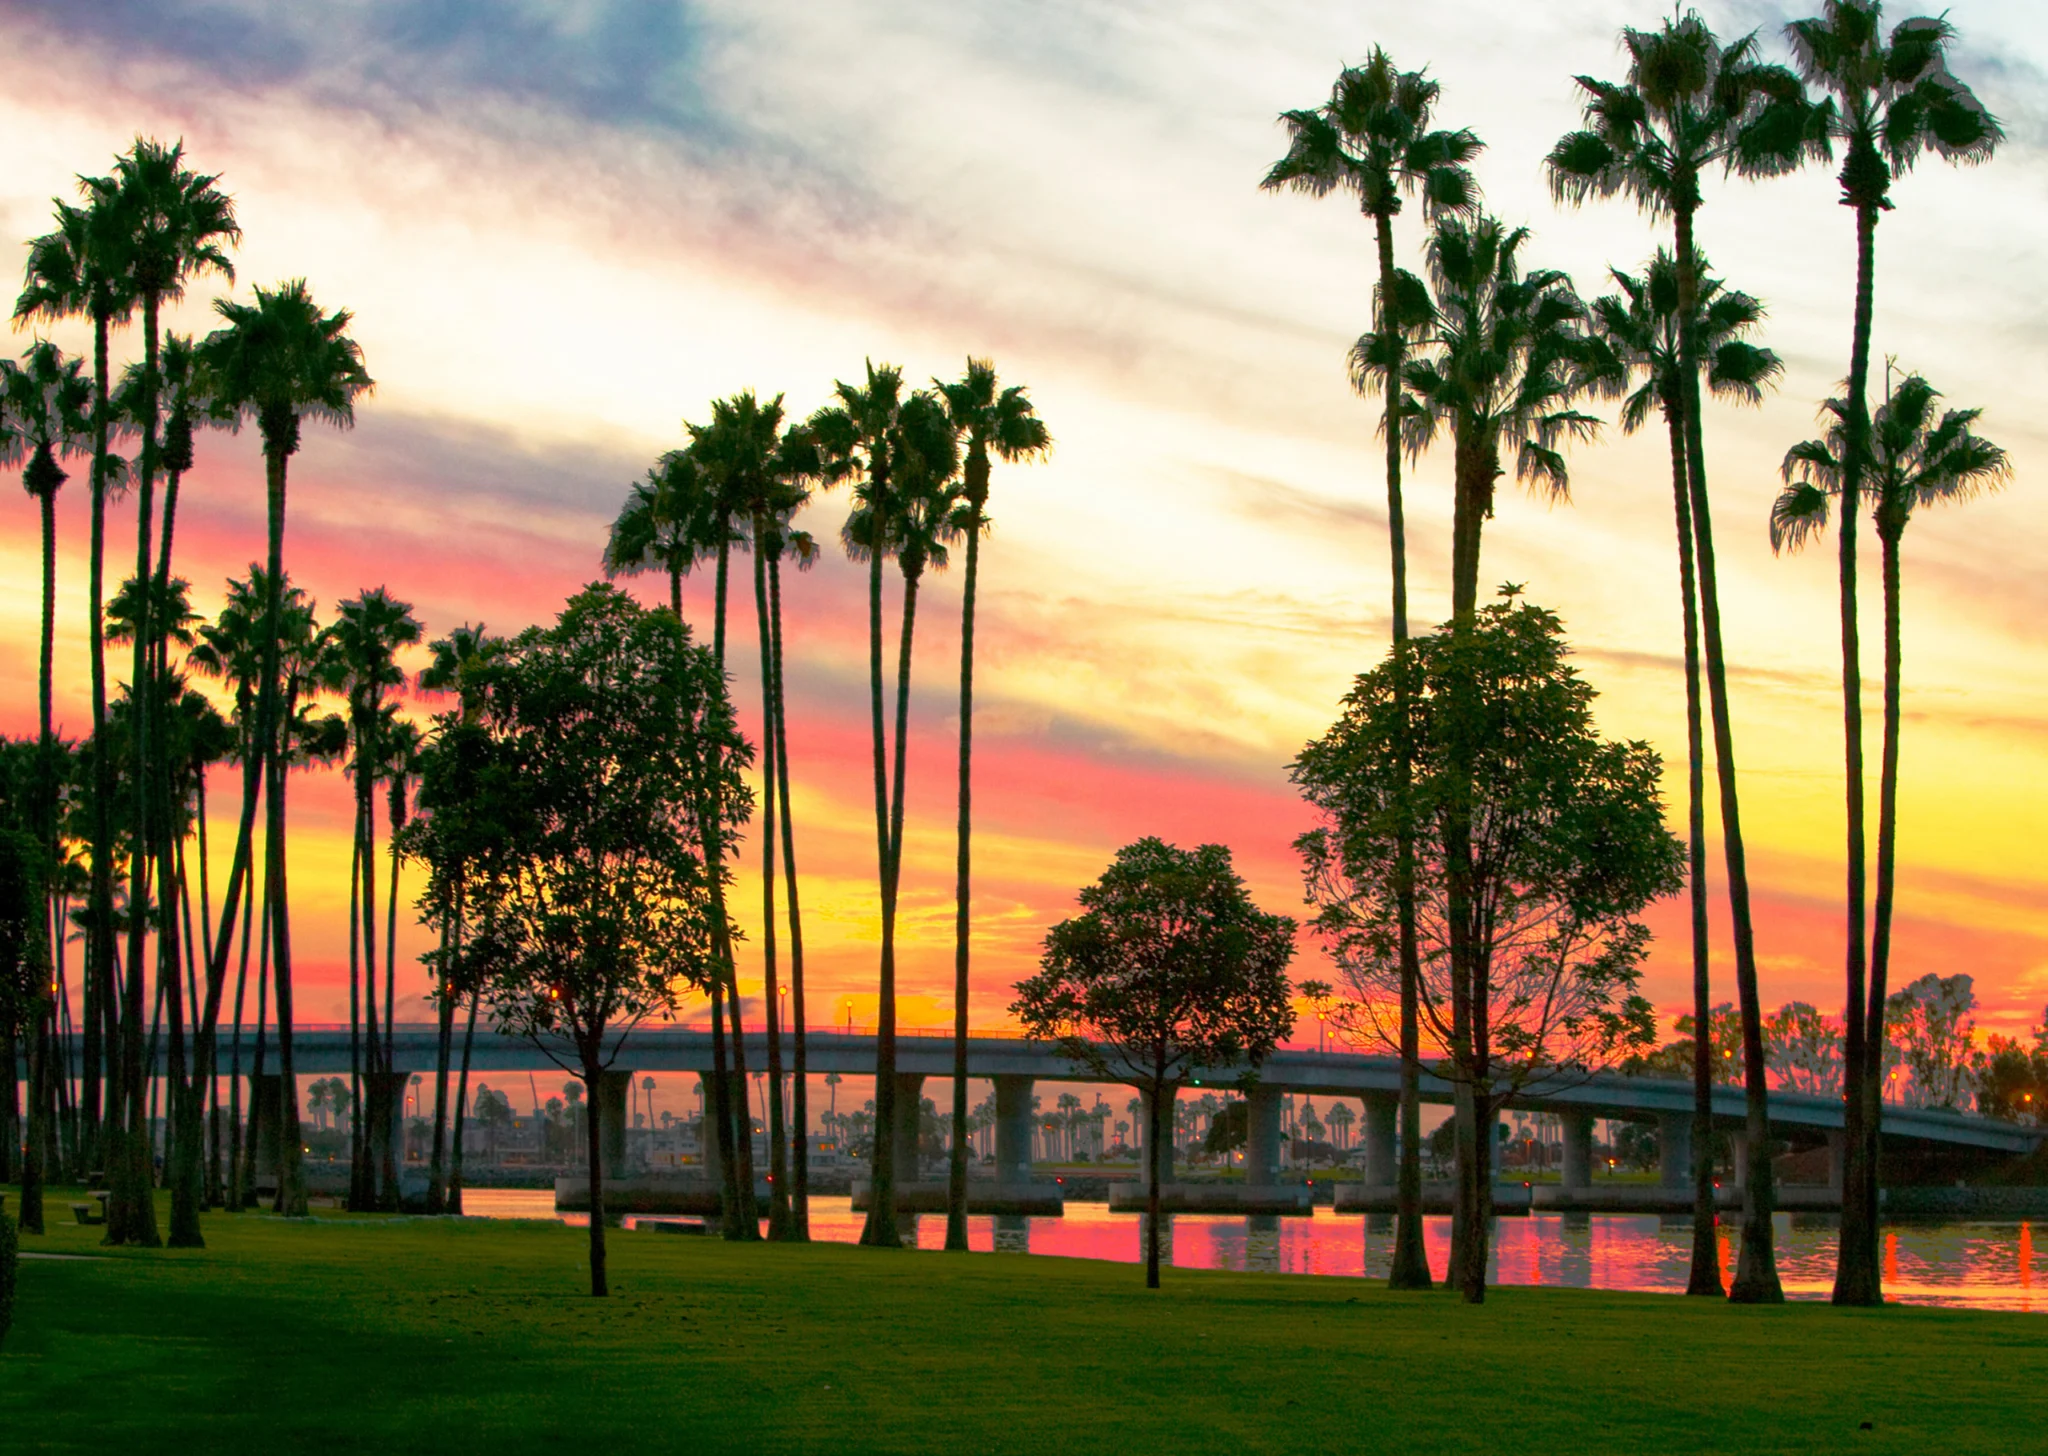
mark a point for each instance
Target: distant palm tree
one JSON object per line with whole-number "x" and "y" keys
{"x": 1910, "y": 460}
{"x": 453, "y": 657}
{"x": 856, "y": 438}
{"x": 80, "y": 269}
{"x": 1640, "y": 331}
{"x": 663, "y": 526}
{"x": 368, "y": 632}
{"x": 1000, "y": 423}
{"x": 1372, "y": 138}
{"x": 279, "y": 360}
{"x": 1690, "y": 104}
{"x": 1888, "y": 102}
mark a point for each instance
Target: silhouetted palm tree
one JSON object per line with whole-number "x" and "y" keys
{"x": 278, "y": 361}
{"x": 1640, "y": 331}
{"x": 1889, "y": 101}
{"x": 80, "y": 269}
{"x": 453, "y": 658}
{"x": 1001, "y": 423}
{"x": 855, "y": 439}
{"x": 1372, "y": 138}
{"x": 1690, "y": 104}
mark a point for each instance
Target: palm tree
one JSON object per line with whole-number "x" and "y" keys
{"x": 1000, "y": 423}
{"x": 368, "y": 632}
{"x": 1505, "y": 358}
{"x": 453, "y": 658}
{"x": 44, "y": 417}
{"x": 177, "y": 223}
{"x": 278, "y": 361}
{"x": 1690, "y": 104}
{"x": 1640, "y": 331}
{"x": 79, "y": 268}
{"x": 782, "y": 538}
{"x": 855, "y": 439}
{"x": 1909, "y": 460}
{"x": 1887, "y": 103}
{"x": 663, "y": 526}
{"x": 1372, "y": 138}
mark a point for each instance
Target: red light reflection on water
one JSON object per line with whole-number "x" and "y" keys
{"x": 1975, "y": 1265}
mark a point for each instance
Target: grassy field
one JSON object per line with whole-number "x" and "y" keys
{"x": 345, "y": 1334}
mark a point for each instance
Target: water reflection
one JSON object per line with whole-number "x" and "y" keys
{"x": 1972, "y": 1265}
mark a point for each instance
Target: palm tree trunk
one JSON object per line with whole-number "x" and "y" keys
{"x": 1887, "y": 847}
{"x": 394, "y": 1142}
{"x": 461, "y": 1109}
{"x": 1410, "y": 1268}
{"x": 745, "y": 1222}
{"x": 1756, "y": 1273}
{"x": 236, "y": 1193}
{"x": 1704, "y": 1276}
{"x": 879, "y": 1231}
{"x": 956, "y": 1163}
{"x": 1858, "y": 1278}
{"x": 594, "y": 1121}
{"x": 131, "y": 1211}
{"x": 444, "y": 1047}
{"x": 778, "y": 1146}
{"x": 358, "y": 1197}
{"x": 366, "y": 870}
{"x": 102, "y": 1138}
{"x": 1158, "y": 1100}
{"x": 894, "y": 885}
{"x": 800, "y": 1179}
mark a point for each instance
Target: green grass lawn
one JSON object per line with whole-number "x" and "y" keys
{"x": 396, "y": 1335}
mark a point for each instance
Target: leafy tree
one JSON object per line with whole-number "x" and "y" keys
{"x": 1169, "y": 971}
{"x": 2013, "y": 1082}
{"x": 1888, "y": 102}
{"x": 279, "y": 360}
{"x": 993, "y": 423}
{"x": 1689, "y": 105}
{"x": 1935, "y": 1037}
{"x": 1229, "y": 1130}
{"x": 1373, "y": 139}
{"x": 1530, "y": 968}
{"x": 596, "y": 742}
{"x": 1805, "y": 1049}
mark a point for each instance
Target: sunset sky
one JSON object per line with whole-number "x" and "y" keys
{"x": 564, "y": 228}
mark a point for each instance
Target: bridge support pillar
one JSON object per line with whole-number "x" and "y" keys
{"x": 1838, "y": 1155}
{"x": 1382, "y": 1114}
{"x": 1578, "y": 1150}
{"x": 1262, "y": 1138}
{"x": 611, "y": 1132}
{"x": 909, "y": 1114}
{"x": 1013, "y": 1129}
{"x": 1674, "y": 1149}
{"x": 1165, "y": 1142}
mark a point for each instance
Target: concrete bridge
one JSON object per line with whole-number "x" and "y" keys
{"x": 1015, "y": 1065}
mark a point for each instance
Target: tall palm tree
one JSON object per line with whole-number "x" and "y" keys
{"x": 368, "y": 632}
{"x": 781, "y": 538}
{"x": 1910, "y": 459}
{"x": 663, "y": 526}
{"x": 278, "y": 361}
{"x": 79, "y": 269}
{"x": 771, "y": 486}
{"x": 1373, "y": 138}
{"x": 1639, "y": 332}
{"x": 1691, "y": 104}
{"x": 178, "y": 225}
{"x": 42, "y": 417}
{"x": 854, "y": 438}
{"x": 1888, "y": 101}
{"x": 452, "y": 659}
{"x": 993, "y": 423}
{"x": 1505, "y": 357}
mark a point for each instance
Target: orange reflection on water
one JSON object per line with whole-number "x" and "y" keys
{"x": 1891, "y": 1258}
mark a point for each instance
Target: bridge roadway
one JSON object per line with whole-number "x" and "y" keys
{"x": 1012, "y": 1062}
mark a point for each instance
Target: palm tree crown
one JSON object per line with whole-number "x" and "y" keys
{"x": 280, "y": 360}
{"x": 1636, "y": 331}
{"x": 45, "y": 415}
